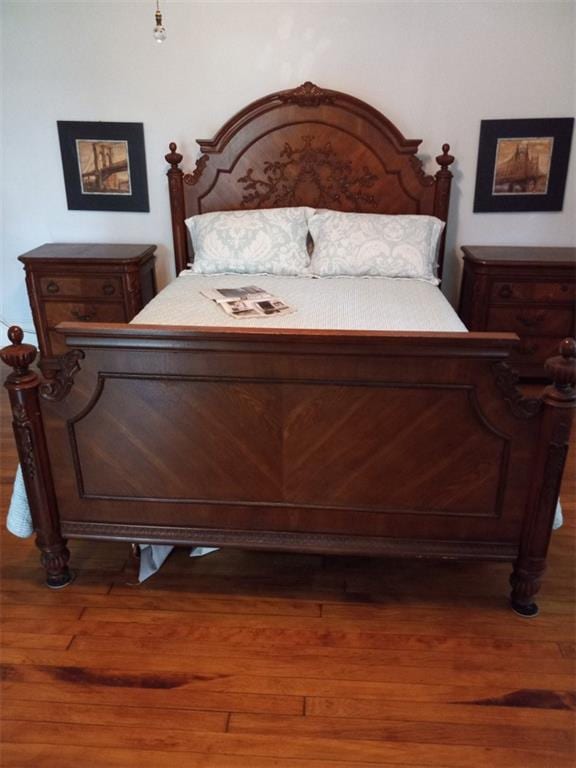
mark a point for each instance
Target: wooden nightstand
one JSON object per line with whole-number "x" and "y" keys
{"x": 530, "y": 291}
{"x": 86, "y": 282}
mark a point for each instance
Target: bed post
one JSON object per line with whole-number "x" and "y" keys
{"x": 442, "y": 197}
{"x": 559, "y": 401}
{"x": 23, "y": 387}
{"x": 177, "y": 208}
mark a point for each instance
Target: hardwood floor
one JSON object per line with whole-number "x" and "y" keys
{"x": 282, "y": 661}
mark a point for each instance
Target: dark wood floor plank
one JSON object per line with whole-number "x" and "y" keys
{"x": 247, "y": 694}
{"x": 416, "y": 712}
{"x": 280, "y": 637}
{"x": 31, "y": 688}
{"x": 489, "y": 659}
{"x": 264, "y": 745}
{"x": 115, "y": 715}
{"x": 553, "y": 629}
{"x": 394, "y": 730}
{"x": 65, "y": 756}
{"x": 185, "y": 605}
{"x": 304, "y": 674}
{"x": 23, "y": 640}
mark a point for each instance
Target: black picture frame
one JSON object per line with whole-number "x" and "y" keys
{"x": 537, "y": 149}
{"x": 104, "y": 166}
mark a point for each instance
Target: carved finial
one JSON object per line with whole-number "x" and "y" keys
{"x": 18, "y": 356}
{"x": 173, "y": 157}
{"x": 568, "y": 348}
{"x": 445, "y": 159}
{"x": 15, "y": 334}
{"x": 562, "y": 369}
{"x": 307, "y": 95}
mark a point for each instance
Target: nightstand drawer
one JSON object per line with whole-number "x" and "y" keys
{"x": 531, "y": 321}
{"x": 89, "y": 312}
{"x": 534, "y": 350}
{"x": 85, "y": 286}
{"x": 531, "y": 291}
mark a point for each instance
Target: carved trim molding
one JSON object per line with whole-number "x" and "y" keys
{"x": 555, "y": 461}
{"x": 299, "y": 542}
{"x": 322, "y": 167}
{"x": 19, "y": 414}
{"x": 26, "y": 449}
{"x": 193, "y": 178}
{"x": 307, "y": 95}
{"x": 507, "y": 381}
{"x": 23, "y": 428}
{"x": 58, "y": 387}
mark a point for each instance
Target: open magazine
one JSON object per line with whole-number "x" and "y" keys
{"x": 248, "y": 301}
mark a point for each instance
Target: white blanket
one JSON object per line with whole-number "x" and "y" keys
{"x": 327, "y": 303}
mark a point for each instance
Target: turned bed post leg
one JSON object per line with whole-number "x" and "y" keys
{"x": 177, "y": 208}
{"x": 442, "y": 198}
{"x": 559, "y": 401}
{"x": 23, "y": 387}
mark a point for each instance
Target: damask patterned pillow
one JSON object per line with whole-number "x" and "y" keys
{"x": 271, "y": 241}
{"x": 369, "y": 244}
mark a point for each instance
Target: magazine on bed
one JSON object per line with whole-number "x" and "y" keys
{"x": 248, "y": 301}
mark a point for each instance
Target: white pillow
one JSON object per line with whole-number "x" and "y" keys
{"x": 370, "y": 244}
{"x": 271, "y": 241}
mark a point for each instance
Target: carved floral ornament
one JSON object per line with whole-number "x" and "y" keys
{"x": 507, "y": 381}
{"x": 307, "y": 95}
{"x": 319, "y": 167}
{"x": 58, "y": 387}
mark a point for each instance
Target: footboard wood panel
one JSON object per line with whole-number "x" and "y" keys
{"x": 371, "y": 443}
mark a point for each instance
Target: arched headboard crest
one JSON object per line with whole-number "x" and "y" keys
{"x": 306, "y": 146}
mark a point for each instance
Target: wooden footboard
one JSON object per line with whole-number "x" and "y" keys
{"x": 343, "y": 442}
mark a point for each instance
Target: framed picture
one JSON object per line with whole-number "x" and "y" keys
{"x": 522, "y": 164}
{"x": 104, "y": 166}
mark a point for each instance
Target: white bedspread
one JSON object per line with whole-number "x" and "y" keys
{"x": 337, "y": 303}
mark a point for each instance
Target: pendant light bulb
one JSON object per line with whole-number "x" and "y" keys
{"x": 159, "y": 29}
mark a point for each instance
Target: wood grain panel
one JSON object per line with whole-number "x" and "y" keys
{"x": 378, "y": 443}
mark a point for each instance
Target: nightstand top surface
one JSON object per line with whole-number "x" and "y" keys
{"x": 518, "y": 254}
{"x": 90, "y": 252}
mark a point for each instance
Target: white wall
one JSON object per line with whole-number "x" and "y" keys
{"x": 434, "y": 68}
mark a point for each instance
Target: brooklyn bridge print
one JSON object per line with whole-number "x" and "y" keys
{"x": 522, "y": 166}
{"x": 104, "y": 167}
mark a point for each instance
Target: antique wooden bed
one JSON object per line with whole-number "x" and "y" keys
{"x": 364, "y": 443}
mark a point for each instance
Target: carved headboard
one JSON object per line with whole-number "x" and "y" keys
{"x": 306, "y": 146}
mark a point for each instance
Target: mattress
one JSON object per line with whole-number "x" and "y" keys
{"x": 326, "y": 303}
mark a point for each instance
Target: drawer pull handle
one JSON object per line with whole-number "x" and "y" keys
{"x": 108, "y": 289}
{"x": 505, "y": 292}
{"x": 530, "y": 321}
{"x": 85, "y": 318}
{"x": 52, "y": 287}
